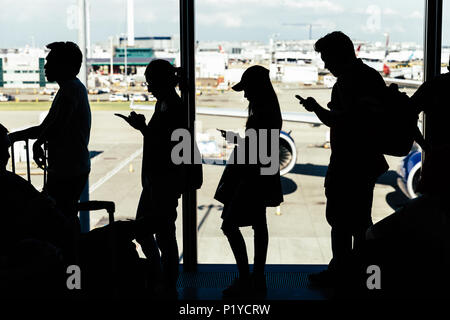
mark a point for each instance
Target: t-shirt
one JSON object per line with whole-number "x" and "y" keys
{"x": 69, "y": 121}
{"x": 157, "y": 165}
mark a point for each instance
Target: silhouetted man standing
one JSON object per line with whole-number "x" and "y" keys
{"x": 66, "y": 129}
{"x": 354, "y": 166}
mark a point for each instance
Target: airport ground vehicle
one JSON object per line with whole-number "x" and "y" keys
{"x": 119, "y": 97}
{"x": 6, "y": 97}
{"x": 139, "y": 97}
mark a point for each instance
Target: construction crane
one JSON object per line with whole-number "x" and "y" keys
{"x": 309, "y": 25}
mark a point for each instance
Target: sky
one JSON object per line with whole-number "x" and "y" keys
{"x": 23, "y": 22}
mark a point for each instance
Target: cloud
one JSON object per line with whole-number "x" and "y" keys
{"x": 229, "y": 20}
{"x": 389, "y": 12}
{"x": 416, "y": 15}
{"x": 324, "y": 24}
{"x": 322, "y": 5}
{"x": 318, "y": 5}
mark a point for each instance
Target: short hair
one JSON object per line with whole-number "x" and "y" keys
{"x": 336, "y": 43}
{"x": 67, "y": 54}
{"x": 164, "y": 71}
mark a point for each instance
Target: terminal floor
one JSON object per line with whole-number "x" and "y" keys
{"x": 284, "y": 282}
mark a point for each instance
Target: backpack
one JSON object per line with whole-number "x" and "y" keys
{"x": 392, "y": 122}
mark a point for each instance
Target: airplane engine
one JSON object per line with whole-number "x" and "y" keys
{"x": 409, "y": 172}
{"x": 288, "y": 153}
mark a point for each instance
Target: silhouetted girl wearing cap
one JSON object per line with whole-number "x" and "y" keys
{"x": 161, "y": 180}
{"x": 244, "y": 191}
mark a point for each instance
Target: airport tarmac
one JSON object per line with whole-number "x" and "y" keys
{"x": 299, "y": 235}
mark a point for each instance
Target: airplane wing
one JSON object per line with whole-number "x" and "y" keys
{"x": 302, "y": 117}
{"x": 403, "y": 82}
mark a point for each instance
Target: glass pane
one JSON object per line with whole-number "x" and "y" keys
{"x": 279, "y": 35}
{"x": 116, "y": 148}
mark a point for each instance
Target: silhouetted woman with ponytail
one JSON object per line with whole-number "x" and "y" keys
{"x": 161, "y": 180}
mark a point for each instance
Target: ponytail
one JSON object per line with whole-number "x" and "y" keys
{"x": 177, "y": 76}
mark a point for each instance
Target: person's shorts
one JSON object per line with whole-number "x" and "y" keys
{"x": 157, "y": 208}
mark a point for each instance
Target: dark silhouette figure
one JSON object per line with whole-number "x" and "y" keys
{"x": 432, "y": 98}
{"x": 354, "y": 166}
{"x": 412, "y": 245}
{"x": 163, "y": 181}
{"x": 66, "y": 129}
{"x": 243, "y": 190}
{"x": 32, "y": 235}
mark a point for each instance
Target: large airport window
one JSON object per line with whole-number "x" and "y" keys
{"x": 279, "y": 35}
{"x": 445, "y": 38}
{"x": 122, "y": 36}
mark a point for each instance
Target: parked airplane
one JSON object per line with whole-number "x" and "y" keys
{"x": 409, "y": 173}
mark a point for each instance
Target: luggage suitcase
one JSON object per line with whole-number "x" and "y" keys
{"x": 109, "y": 206}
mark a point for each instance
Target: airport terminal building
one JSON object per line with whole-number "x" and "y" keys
{"x": 22, "y": 68}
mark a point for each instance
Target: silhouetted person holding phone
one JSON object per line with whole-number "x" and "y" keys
{"x": 162, "y": 180}
{"x": 244, "y": 190}
{"x": 354, "y": 166}
{"x": 66, "y": 129}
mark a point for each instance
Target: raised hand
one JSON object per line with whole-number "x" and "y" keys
{"x": 309, "y": 103}
{"x": 134, "y": 119}
{"x": 231, "y": 137}
{"x": 38, "y": 155}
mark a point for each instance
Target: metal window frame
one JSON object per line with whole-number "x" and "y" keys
{"x": 187, "y": 54}
{"x": 432, "y": 66}
{"x": 432, "y": 51}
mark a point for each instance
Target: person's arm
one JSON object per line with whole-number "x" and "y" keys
{"x": 29, "y": 133}
{"x": 420, "y": 97}
{"x": 135, "y": 120}
{"x": 56, "y": 122}
{"x": 328, "y": 117}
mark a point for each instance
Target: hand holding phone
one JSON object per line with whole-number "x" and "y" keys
{"x": 309, "y": 103}
{"x": 135, "y": 120}
{"x": 222, "y": 132}
{"x": 299, "y": 98}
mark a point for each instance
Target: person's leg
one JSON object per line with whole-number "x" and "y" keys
{"x": 237, "y": 244}
{"x": 337, "y": 210}
{"x": 66, "y": 191}
{"x": 363, "y": 215}
{"x": 145, "y": 237}
{"x": 167, "y": 243}
{"x": 341, "y": 247}
{"x": 261, "y": 242}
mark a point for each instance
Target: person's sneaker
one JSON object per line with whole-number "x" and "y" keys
{"x": 258, "y": 285}
{"x": 325, "y": 278}
{"x": 239, "y": 288}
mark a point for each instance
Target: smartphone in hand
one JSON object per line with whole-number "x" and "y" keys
{"x": 222, "y": 132}
{"x": 299, "y": 98}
